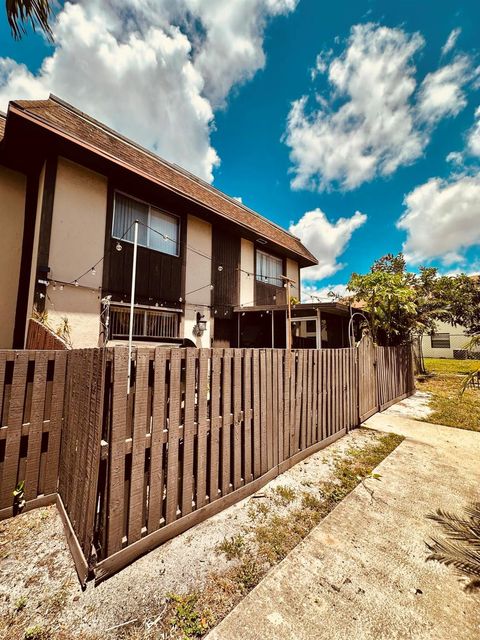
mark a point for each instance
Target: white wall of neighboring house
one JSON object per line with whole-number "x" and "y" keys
{"x": 76, "y": 244}
{"x": 247, "y": 264}
{"x": 457, "y": 338}
{"x": 198, "y": 277}
{"x": 12, "y": 215}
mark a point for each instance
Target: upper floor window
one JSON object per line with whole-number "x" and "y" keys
{"x": 269, "y": 269}
{"x": 158, "y": 231}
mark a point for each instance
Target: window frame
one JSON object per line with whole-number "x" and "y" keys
{"x": 261, "y": 279}
{"x": 149, "y": 232}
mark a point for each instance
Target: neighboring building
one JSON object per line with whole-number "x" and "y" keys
{"x": 70, "y": 188}
{"x": 448, "y": 341}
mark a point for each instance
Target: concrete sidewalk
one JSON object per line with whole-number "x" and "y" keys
{"x": 361, "y": 573}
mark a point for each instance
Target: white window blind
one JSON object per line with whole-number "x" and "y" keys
{"x": 163, "y": 234}
{"x": 269, "y": 269}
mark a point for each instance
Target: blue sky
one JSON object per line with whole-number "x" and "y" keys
{"x": 335, "y": 119}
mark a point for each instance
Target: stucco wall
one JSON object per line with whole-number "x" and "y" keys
{"x": 293, "y": 274}
{"x": 12, "y": 214}
{"x": 76, "y": 244}
{"x": 198, "y": 279}
{"x": 247, "y": 263}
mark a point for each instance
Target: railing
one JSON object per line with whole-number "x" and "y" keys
{"x": 146, "y": 323}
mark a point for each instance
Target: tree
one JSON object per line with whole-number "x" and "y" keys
{"x": 35, "y": 12}
{"x": 403, "y": 304}
{"x": 389, "y": 298}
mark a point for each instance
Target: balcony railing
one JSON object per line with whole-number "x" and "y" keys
{"x": 147, "y": 323}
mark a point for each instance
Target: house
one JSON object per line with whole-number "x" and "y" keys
{"x": 448, "y": 341}
{"x": 70, "y": 190}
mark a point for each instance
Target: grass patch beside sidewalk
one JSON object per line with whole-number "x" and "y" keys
{"x": 445, "y": 383}
{"x": 273, "y": 533}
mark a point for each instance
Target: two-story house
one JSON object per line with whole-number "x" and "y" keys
{"x": 70, "y": 191}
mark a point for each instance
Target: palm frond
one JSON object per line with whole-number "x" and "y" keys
{"x": 455, "y": 555}
{"x": 36, "y": 12}
{"x": 468, "y": 380}
{"x": 461, "y": 548}
{"x": 463, "y": 531}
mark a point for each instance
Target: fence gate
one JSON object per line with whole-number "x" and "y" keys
{"x": 367, "y": 378}
{"x": 80, "y": 453}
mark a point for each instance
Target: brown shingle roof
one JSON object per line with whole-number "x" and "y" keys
{"x": 65, "y": 120}
{"x": 2, "y": 125}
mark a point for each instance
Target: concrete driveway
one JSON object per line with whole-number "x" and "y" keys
{"x": 361, "y": 573}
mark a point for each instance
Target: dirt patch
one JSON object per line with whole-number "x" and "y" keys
{"x": 184, "y": 587}
{"x": 416, "y": 406}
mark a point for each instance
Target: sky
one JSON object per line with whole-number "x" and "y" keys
{"x": 354, "y": 124}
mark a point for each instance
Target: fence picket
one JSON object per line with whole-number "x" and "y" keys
{"x": 173, "y": 435}
{"x": 202, "y": 430}
{"x": 226, "y": 419}
{"x": 14, "y": 432}
{"x": 32, "y": 470}
{"x": 247, "y": 415}
{"x": 214, "y": 484}
{"x": 136, "y": 497}
{"x": 188, "y": 431}
{"x": 237, "y": 418}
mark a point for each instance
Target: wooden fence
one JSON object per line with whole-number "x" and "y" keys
{"x": 31, "y": 412}
{"x": 41, "y": 337}
{"x": 196, "y": 431}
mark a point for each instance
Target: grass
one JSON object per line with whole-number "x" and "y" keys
{"x": 444, "y": 383}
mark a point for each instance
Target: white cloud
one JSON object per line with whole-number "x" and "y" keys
{"x": 372, "y": 123}
{"x": 156, "y": 70}
{"x": 441, "y": 219}
{"x": 441, "y": 92}
{"x": 451, "y": 41}
{"x": 326, "y": 240}
{"x": 474, "y": 135}
{"x": 456, "y": 157}
{"x": 312, "y": 293}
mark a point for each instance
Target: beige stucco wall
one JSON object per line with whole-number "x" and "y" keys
{"x": 294, "y": 274}
{"x": 247, "y": 263}
{"x": 12, "y": 215}
{"x": 198, "y": 279}
{"x": 76, "y": 244}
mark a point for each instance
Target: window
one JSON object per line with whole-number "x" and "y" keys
{"x": 163, "y": 234}
{"x": 440, "y": 341}
{"x": 146, "y": 323}
{"x": 269, "y": 269}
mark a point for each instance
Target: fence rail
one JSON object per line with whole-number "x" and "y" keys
{"x": 196, "y": 431}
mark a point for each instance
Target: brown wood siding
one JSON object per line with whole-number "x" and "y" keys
{"x": 225, "y": 254}
{"x": 266, "y": 294}
{"x": 160, "y": 277}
